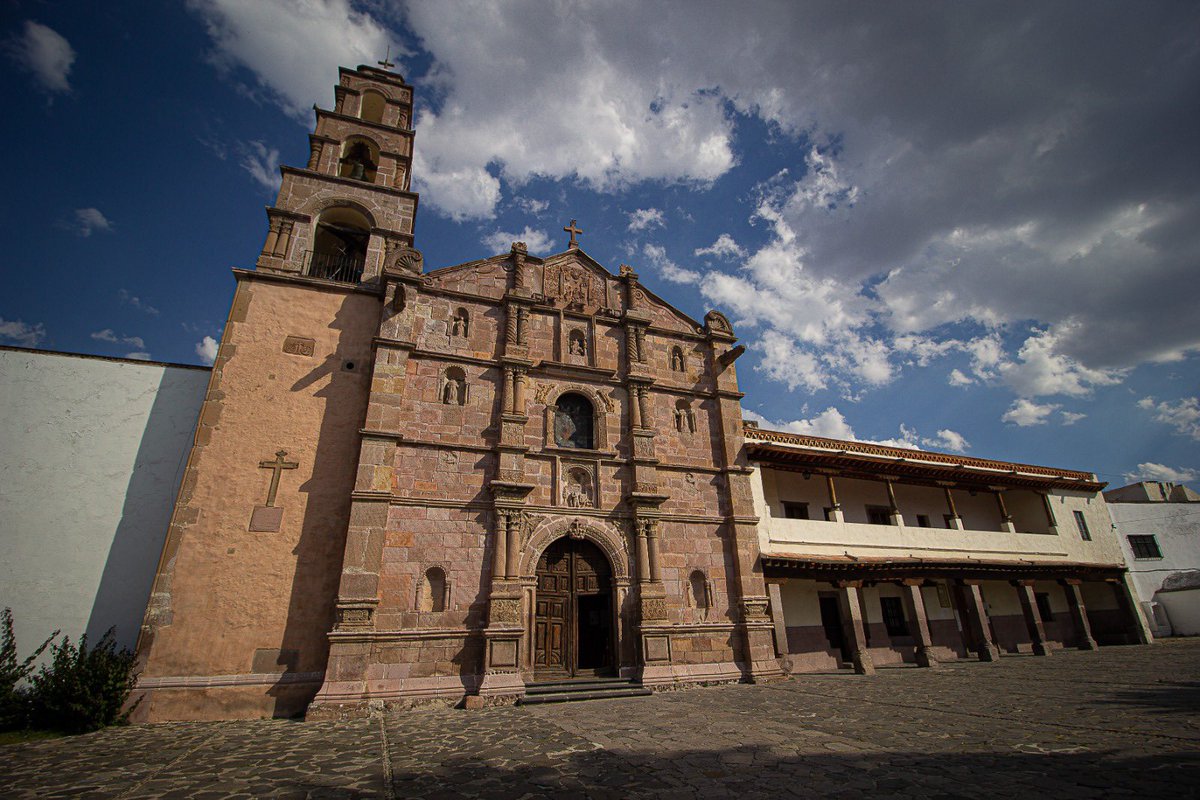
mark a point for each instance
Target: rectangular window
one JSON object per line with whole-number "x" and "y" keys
{"x": 923, "y": 521}
{"x": 879, "y": 515}
{"x": 829, "y": 514}
{"x": 949, "y": 518}
{"x": 893, "y": 616}
{"x": 1043, "y": 605}
{"x": 795, "y": 510}
{"x": 1081, "y": 523}
{"x": 1144, "y": 546}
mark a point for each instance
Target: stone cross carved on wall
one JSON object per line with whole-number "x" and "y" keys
{"x": 268, "y": 518}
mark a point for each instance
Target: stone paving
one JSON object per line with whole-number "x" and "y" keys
{"x": 1123, "y": 721}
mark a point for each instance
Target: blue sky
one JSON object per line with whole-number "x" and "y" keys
{"x": 969, "y": 228}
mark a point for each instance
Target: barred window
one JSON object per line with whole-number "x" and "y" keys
{"x": 893, "y": 616}
{"x": 1081, "y": 523}
{"x": 1144, "y": 546}
{"x": 795, "y": 510}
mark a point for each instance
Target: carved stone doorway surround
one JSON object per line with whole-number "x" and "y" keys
{"x": 615, "y": 548}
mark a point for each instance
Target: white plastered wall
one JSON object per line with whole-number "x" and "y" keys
{"x": 91, "y": 454}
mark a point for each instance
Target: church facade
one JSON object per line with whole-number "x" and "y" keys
{"x": 412, "y": 485}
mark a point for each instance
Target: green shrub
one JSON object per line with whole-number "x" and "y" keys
{"x": 83, "y": 689}
{"x": 14, "y": 699}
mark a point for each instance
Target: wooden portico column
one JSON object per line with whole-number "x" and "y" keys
{"x": 1006, "y": 520}
{"x": 1079, "y": 619}
{"x": 915, "y": 609}
{"x": 955, "y": 519}
{"x": 834, "y": 506}
{"x": 851, "y": 601}
{"x": 1033, "y": 620}
{"x": 1128, "y": 600}
{"x": 985, "y": 646}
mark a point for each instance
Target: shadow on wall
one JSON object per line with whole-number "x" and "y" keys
{"x": 150, "y": 497}
{"x": 304, "y": 649}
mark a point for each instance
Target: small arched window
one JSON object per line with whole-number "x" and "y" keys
{"x": 460, "y": 323}
{"x": 371, "y": 108}
{"x": 433, "y": 590}
{"x": 360, "y": 160}
{"x": 699, "y": 595}
{"x": 677, "y": 362}
{"x": 685, "y": 417}
{"x": 454, "y": 387}
{"x": 574, "y": 422}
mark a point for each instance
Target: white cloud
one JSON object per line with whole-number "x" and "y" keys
{"x": 646, "y": 219}
{"x": 1024, "y": 412}
{"x": 45, "y": 53}
{"x": 87, "y": 221}
{"x": 830, "y": 423}
{"x": 947, "y": 439}
{"x": 262, "y": 163}
{"x": 665, "y": 267}
{"x": 107, "y": 335}
{"x": 137, "y": 302}
{"x": 1041, "y": 370}
{"x": 786, "y": 362}
{"x": 537, "y": 241}
{"x": 1183, "y": 414}
{"x": 1149, "y": 471}
{"x": 531, "y": 205}
{"x": 291, "y": 49}
{"x": 206, "y": 348}
{"x": 22, "y": 333}
{"x": 138, "y": 356}
{"x": 957, "y": 378}
{"x": 724, "y": 247}
{"x": 1071, "y": 417}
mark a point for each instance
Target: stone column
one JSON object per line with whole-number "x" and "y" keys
{"x": 639, "y": 334}
{"x": 643, "y": 554}
{"x": 643, "y": 406}
{"x": 775, "y": 592}
{"x": 954, "y": 517}
{"x": 977, "y": 618}
{"x": 500, "y": 554}
{"x": 507, "y": 398}
{"x": 520, "y": 378}
{"x": 1128, "y": 600}
{"x": 635, "y": 411}
{"x": 510, "y": 325}
{"x": 834, "y": 505}
{"x": 1079, "y": 619}
{"x": 1033, "y": 620}
{"x": 652, "y": 548}
{"x": 522, "y": 319}
{"x": 272, "y": 238}
{"x": 513, "y": 558}
{"x": 852, "y": 604}
{"x": 914, "y": 606}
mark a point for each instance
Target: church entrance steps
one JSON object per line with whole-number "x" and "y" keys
{"x": 567, "y": 691}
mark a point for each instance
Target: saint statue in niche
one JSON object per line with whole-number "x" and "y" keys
{"x": 576, "y": 345}
{"x": 574, "y": 288}
{"x": 578, "y": 491}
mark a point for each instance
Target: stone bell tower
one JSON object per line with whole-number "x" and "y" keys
{"x": 245, "y": 592}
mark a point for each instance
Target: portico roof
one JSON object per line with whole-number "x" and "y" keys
{"x": 800, "y": 452}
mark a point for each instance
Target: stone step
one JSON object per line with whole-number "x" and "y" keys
{"x": 546, "y": 687}
{"x": 570, "y": 696}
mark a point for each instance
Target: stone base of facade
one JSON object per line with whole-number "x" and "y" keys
{"x": 223, "y": 698}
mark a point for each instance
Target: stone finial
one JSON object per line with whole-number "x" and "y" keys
{"x": 519, "y": 247}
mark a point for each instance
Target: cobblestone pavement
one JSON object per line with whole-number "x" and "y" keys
{"x": 1119, "y": 722}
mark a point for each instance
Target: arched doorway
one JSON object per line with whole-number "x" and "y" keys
{"x": 573, "y": 616}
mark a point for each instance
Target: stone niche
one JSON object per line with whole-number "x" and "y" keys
{"x": 577, "y": 484}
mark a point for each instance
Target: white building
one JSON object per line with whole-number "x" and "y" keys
{"x": 1159, "y": 528}
{"x": 882, "y": 555}
{"x": 91, "y": 453}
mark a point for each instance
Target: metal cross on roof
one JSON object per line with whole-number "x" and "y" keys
{"x": 571, "y": 229}
{"x": 386, "y": 64}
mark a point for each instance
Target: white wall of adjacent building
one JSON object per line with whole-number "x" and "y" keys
{"x": 1168, "y": 585}
{"x": 91, "y": 454}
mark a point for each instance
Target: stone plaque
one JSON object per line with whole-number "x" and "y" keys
{"x": 266, "y": 519}
{"x": 299, "y": 346}
{"x": 504, "y": 654}
{"x": 505, "y": 610}
{"x": 657, "y": 648}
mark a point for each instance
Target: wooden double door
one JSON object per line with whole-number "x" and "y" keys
{"x": 573, "y": 614}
